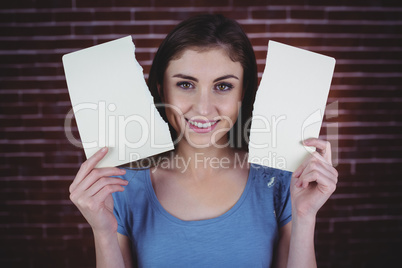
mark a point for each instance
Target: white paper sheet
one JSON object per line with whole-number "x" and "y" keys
{"x": 289, "y": 105}
{"x": 112, "y": 104}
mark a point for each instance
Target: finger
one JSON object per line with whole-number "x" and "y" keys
{"x": 302, "y": 166}
{"x": 313, "y": 157}
{"x": 95, "y": 175}
{"x": 102, "y": 182}
{"x": 318, "y": 158}
{"x": 107, "y": 190}
{"x": 317, "y": 161}
{"x": 87, "y": 166}
{"x": 324, "y": 168}
{"x": 324, "y": 184}
{"x": 300, "y": 169}
{"x": 91, "y": 162}
{"x": 323, "y": 148}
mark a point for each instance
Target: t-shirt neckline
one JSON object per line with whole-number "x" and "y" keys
{"x": 160, "y": 209}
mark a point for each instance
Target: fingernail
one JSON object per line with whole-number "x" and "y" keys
{"x": 104, "y": 149}
{"x": 122, "y": 171}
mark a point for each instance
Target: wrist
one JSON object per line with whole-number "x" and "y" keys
{"x": 303, "y": 212}
{"x": 104, "y": 237}
{"x": 107, "y": 250}
{"x": 303, "y": 218}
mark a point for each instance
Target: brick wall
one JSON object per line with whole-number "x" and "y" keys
{"x": 360, "y": 226}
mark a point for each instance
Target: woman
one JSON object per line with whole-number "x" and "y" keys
{"x": 203, "y": 205}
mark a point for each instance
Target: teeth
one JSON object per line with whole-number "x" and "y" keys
{"x": 202, "y": 125}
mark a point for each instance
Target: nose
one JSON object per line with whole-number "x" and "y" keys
{"x": 203, "y": 102}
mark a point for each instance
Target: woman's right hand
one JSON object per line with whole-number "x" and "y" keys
{"x": 91, "y": 191}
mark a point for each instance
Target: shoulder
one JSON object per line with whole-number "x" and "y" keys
{"x": 277, "y": 180}
{"x": 137, "y": 179}
{"x": 134, "y": 173}
{"x": 264, "y": 172}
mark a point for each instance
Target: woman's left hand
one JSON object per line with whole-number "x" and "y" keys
{"x": 314, "y": 180}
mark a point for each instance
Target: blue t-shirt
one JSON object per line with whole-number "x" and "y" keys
{"x": 244, "y": 236}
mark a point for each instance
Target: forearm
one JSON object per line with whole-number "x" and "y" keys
{"x": 108, "y": 253}
{"x": 301, "y": 251}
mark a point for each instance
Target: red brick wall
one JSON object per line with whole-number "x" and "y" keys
{"x": 360, "y": 226}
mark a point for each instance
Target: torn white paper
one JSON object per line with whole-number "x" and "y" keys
{"x": 112, "y": 104}
{"x": 289, "y": 105}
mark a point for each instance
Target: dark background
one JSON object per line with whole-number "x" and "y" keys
{"x": 360, "y": 226}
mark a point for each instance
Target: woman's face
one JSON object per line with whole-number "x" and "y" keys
{"x": 203, "y": 93}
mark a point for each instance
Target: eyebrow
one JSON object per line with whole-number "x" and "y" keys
{"x": 188, "y": 77}
{"x": 226, "y": 77}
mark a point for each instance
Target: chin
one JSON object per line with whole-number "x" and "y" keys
{"x": 198, "y": 140}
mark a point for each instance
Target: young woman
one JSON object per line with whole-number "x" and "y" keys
{"x": 203, "y": 205}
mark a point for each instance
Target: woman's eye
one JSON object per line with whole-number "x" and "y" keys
{"x": 185, "y": 85}
{"x": 224, "y": 87}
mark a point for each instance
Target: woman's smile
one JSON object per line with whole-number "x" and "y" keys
{"x": 201, "y": 126}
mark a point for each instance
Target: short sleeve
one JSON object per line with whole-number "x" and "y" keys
{"x": 120, "y": 204}
{"x": 118, "y": 210}
{"x": 131, "y": 197}
{"x": 283, "y": 204}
